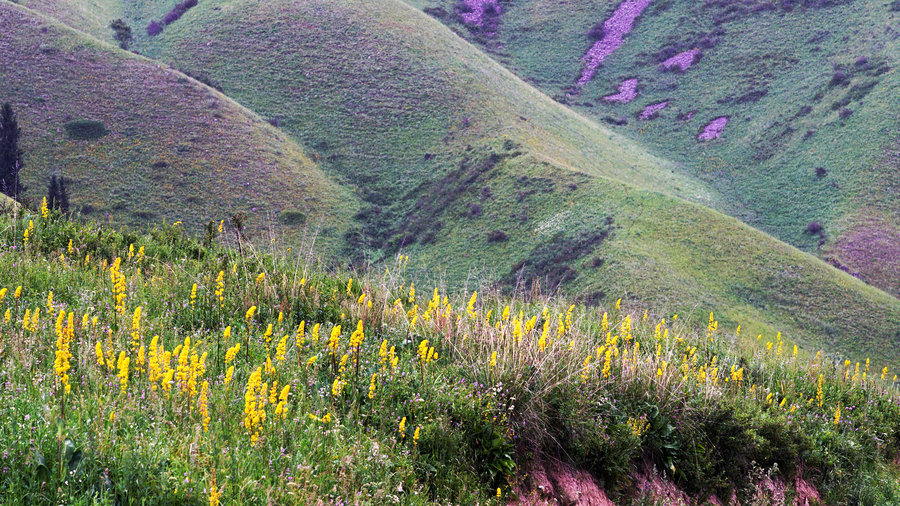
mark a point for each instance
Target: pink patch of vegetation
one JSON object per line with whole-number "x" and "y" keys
{"x": 477, "y": 8}
{"x": 627, "y": 92}
{"x": 651, "y": 110}
{"x": 681, "y": 61}
{"x": 614, "y": 30}
{"x": 714, "y": 129}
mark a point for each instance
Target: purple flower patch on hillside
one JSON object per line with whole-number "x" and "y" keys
{"x": 627, "y": 92}
{"x": 681, "y": 61}
{"x": 652, "y": 110}
{"x": 614, "y": 30}
{"x": 474, "y": 11}
{"x": 714, "y": 129}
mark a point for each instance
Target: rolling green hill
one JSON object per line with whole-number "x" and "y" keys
{"x": 481, "y": 179}
{"x": 512, "y": 192}
{"x": 806, "y": 85}
{"x": 143, "y": 143}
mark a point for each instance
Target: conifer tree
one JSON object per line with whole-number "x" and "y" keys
{"x": 10, "y": 154}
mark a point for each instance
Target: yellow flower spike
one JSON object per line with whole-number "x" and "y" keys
{"x": 372, "y": 386}
{"x": 301, "y": 335}
{"x": 337, "y": 387}
{"x": 7, "y": 316}
{"x": 837, "y": 415}
{"x": 402, "y": 428}
{"x": 315, "y": 333}
{"x": 214, "y": 493}
{"x": 334, "y": 340}
{"x": 470, "y": 307}
{"x": 204, "y": 405}
{"x": 311, "y": 361}
{"x": 260, "y": 277}
{"x": 220, "y": 288}
{"x": 228, "y": 375}
{"x": 122, "y": 365}
{"x": 45, "y": 212}
{"x": 249, "y": 315}
{"x": 281, "y": 349}
{"x": 412, "y": 293}
{"x": 349, "y": 286}
{"x": 493, "y": 362}
{"x": 618, "y": 304}
{"x": 416, "y": 436}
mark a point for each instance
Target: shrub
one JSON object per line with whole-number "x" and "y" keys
{"x": 821, "y": 172}
{"x": 596, "y": 31}
{"x": 845, "y": 113}
{"x": 84, "y": 129}
{"x": 178, "y": 11}
{"x": 839, "y": 78}
{"x": 497, "y": 236}
{"x": 436, "y": 12}
{"x": 154, "y": 29}
{"x": 814, "y": 227}
{"x": 292, "y": 218}
{"x": 122, "y": 33}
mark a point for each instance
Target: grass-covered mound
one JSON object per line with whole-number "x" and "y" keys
{"x": 805, "y": 85}
{"x": 142, "y": 142}
{"x": 153, "y": 368}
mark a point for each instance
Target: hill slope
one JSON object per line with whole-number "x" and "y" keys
{"x": 142, "y": 142}
{"x": 804, "y": 85}
{"x": 501, "y": 178}
{"x": 477, "y": 176}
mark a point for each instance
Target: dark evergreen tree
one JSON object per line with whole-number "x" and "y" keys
{"x": 57, "y": 195}
{"x": 10, "y": 154}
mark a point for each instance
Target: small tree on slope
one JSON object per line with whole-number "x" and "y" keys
{"x": 10, "y": 154}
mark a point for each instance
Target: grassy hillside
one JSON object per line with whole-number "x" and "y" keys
{"x": 805, "y": 85}
{"x": 142, "y": 143}
{"x": 499, "y": 199}
{"x": 202, "y": 375}
{"x": 375, "y": 91}
{"x": 483, "y": 180}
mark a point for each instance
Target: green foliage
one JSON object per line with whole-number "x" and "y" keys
{"x": 85, "y": 129}
{"x": 292, "y": 218}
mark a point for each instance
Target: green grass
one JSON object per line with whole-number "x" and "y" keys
{"x": 763, "y": 172}
{"x": 513, "y": 383}
{"x": 173, "y": 149}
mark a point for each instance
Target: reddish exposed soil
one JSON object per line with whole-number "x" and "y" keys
{"x": 627, "y": 92}
{"x": 614, "y": 30}
{"x": 651, "y": 110}
{"x": 713, "y": 129}
{"x": 681, "y": 61}
{"x": 475, "y": 16}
